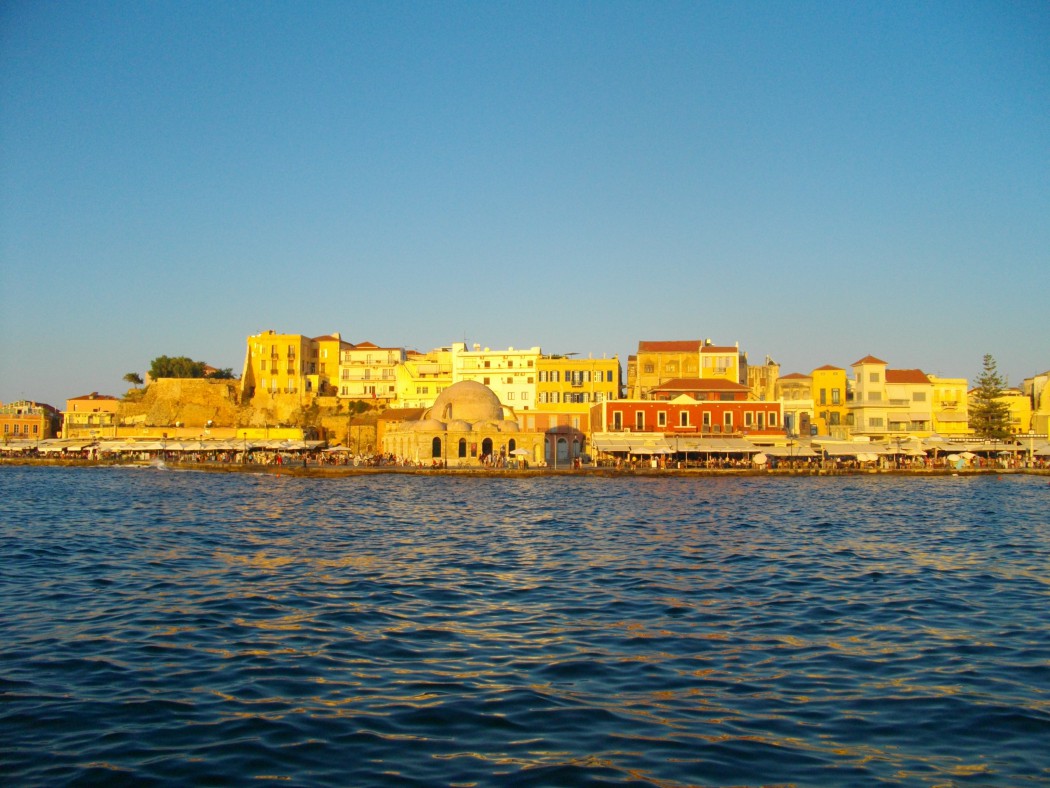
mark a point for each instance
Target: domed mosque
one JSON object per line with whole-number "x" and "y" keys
{"x": 467, "y": 426}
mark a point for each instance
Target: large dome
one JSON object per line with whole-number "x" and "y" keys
{"x": 467, "y": 400}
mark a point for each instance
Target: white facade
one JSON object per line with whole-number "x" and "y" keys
{"x": 510, "y": 373}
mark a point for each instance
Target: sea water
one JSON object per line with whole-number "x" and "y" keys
{"x": 184, "y": 627}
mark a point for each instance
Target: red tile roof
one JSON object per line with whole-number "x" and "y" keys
{"x": 869, "y": 360}
{"x": 718, "y": 349}
{"x": 93, "y": 395}
{"x": 701, "y": 384}
{"x": 829, "y": 368}
{"x": 906, "y": 376}
{"x": 795, "y": 376}
{"x": 671, "y": 346}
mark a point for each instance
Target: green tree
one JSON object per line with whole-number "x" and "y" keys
{"x": 222, "y": 374}
{"x": 989, "y": 413}
{"x": 179, "y": 367}
{"x": 134, "y": 378}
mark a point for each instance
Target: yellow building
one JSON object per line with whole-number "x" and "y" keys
{"x": 890, "y": 403}
{"x": 950, "y": 406}
{"x": 92, "y": 415}
{"x": 567, "y": 387}
{"x": 720, "y": 363}
{"x": 658, "y": 362}
{"x": 762, "y": 379}
{"x": 369, "y": 372}
{"x": 1037, "y": 388}
{"x": 830, "y": 401}
{"x": 1020, "y": 411}
{"x": 280, "y": 365}
{"x": 422, "y": 376}
{"x": 329, "y": 353}
{"x": 510, "y": 373}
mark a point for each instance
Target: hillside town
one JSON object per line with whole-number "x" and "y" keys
{"x": 677, "y": 403}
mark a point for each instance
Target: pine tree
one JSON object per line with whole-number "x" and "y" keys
{"x": 989, "y": 413}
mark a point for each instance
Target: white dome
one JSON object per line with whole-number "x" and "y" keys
{"x": 466, "y": 401}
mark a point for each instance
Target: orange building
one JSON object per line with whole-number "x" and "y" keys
{"x": 25, "y": 420}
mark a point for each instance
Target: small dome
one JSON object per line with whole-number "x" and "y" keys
{"x": 428, "y": 425}
{"x": 459, "y": 425}
{"x": 468, "y": 401}
{"x": 509, "y": 426}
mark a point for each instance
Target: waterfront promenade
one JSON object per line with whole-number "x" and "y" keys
{"x": 316, "y": 470}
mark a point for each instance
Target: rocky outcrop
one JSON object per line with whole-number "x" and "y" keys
{"x": 189, "y": 401}
{"x": 193, "y": 402}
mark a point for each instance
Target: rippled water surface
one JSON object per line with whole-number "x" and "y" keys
{"x": 210, "y": 628}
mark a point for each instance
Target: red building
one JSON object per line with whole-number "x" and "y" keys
{"x": 691, "y": 406}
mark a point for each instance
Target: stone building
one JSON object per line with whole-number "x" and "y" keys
{"x": 467, "y": 426}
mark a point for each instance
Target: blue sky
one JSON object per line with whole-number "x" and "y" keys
{"x": 816, "y": 181}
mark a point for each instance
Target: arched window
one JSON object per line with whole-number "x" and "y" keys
{"x": 511, "y": 445}
{"x": 486, "y": 446}
{"x": 462, "y": 447}
{"x": 435, "y": 447}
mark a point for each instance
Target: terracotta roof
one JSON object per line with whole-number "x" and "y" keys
{"x": 795, "y": 376}
{"x": 906, "y": 376}
{"x": 718, "y": 349}
{"x": 829, "y": 368}
{"x": 671, "y": 346}
{"x": 869, "y": 360}
{"x": 366, "y": 345}
{"x": 701, "y": 384}
{"x": 93, "y": 395}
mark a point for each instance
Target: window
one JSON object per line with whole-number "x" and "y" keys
{"x": 661, "y": 418}
{"x": 773, "y": 419}
{"x": 435, "y": 447}
{"x": 488, "y": 364}
{"x": 262, "y": 365}
{"x": 639, "y": 420}
{"x": 462, "y": 447}
{"x": 875, "y": 421}
{"x": 510, "y": 396}
{"x": 486, "y": 380}
{"x": 749, "y": 418}
{"x": 617, "y": 420}
{"x": 823, "y": 396}
{"x": 873, "y": 377}
{"x": 543, "y": 376}
{"x": 835, "y": 419}
{"x": 835, "y": 397}
{"x": 918, "y": 396}
{"x": 683, "y": 418}
{"x": 874, "y": 396}
{"x": 648, "y": 369}
{"x": 707, "y": 418}
{"x": 727, "y": 419}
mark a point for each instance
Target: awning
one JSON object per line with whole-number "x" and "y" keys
{"x": 790, "y": 452}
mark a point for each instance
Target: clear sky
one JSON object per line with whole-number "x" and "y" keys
{"x": 816, "y": 181}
